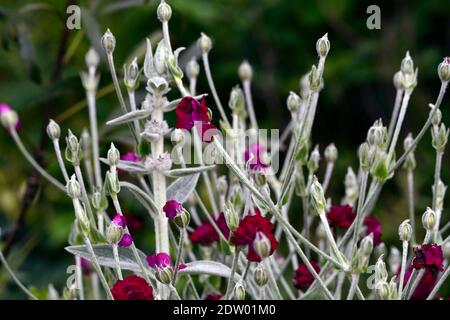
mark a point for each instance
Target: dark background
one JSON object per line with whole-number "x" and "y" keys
{"x": 40, "y": 61}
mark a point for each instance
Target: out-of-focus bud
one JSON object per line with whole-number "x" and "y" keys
{"x": 99, "y": 201}
{"x": 351, "y": 187}
{"x": 440, "y": 194}
{"x": 231, "y": 217}
{"x": 366, "y": 245}
{"x": 261, "y": 245}
{"x": 405, "y": 231}
{"x": 205, "y": 43}
{"x": 260, "y": 276}
{"x": 377, "y": 134}
{"x": 444, "y": 70}
{"x": 108, "y": 42}
{"x": 164, "y": 275}
{"x": 182, "y": 219}
{"x": 86, "y": 142}
{"x": 236, "y": 196}
{"x": 436, "y": 115}
{"x": 380, "y": 167}
{"x": 318, "y": 200}
{"x": 439, "y": 137}
{"x": 331, "y": 153}
{"x": 92, "y": 59}
{"x": 304, "y": 86}
{"x": 177, "y": 136}
{"x": 313, "y": 162}
{"x": 192, "y": 69}
{"x": 323, "y": 46}
{"x": 9, "y": 118}
{"x": 172, "y": 64}
{"x": 82, "y": 221}
{"x": 446, "y": 250}
{"x": 320, "y": 232}
{"x": 383, "y": 290}
{"x": 164, "y": 11}
{"x": 53, "y": 130}
{"x": 410, "y": 161}
{"x": 410, "y": 81}
{"x": 395, "y": 260}
{"x": 302, "y": 153}
{"x": 364, "y": 156}
{"x": 222, "y": 185}
{"x": 114, "y": 233}
{"x": 113, "y": 155}
{"x": 381, "y": 273}
{"x": 393, "y": 292}
{"x": 398, "y": 80}
{"x": 245, "y": 71}
{"x": 112, "y": 185}
{"x": 131, "y": 74}
{"x": 239, "y": 291}
{"x": 160, "y": 59}
{"x": 73, "y": 150}
{"x": 236, "y": 102}
{"x": 407, "y": 66}
{"x": 293, "y": 102}
{"x": 73, "y": 188}
{"x": 380, "y": 250}
{"x": 314, "y": 79}
{"x": 429, "y": 219}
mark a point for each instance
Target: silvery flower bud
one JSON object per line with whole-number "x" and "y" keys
{"x": 108, "y": 42}
{"x": 366, "y": 245}
{"x": 410, "y": 81}
{"x": 164, "y": 11}
{"x": 407, "y": 65}
{"x": 177, "y": 136}
{"x": 237, "y": 101}
{"x": 393, "y": 292}
{"x": 236, "y": 195}
{"x": 439, "y": 137}
{"x": 405, "y": 231}
{"x": 321, "y": 234}
{"x": 222, "y": 185}
{"x": 99, "y": 200}
{"x": 73, "y": 188}
{"x": 364, "y": 156}
{"x": 182, "y": 219}
{"x": 398, "y": 80}
{"x": 351, "y": 187}
{"x": 437, "y": 116}
{"x": 86, "y": 142}
{"x": 395, "y": 260}
{"x": 429, "y": 219}
{"x": 131, "y": 74}
{"x": 293, "y": 102}
{"x": 9, "y": 119}
{"x": 313, "y": 162}
{"x": 53, "y": 130}
{"x": 231, "y": 217}
{"x": 440, "y": 194}
{"x": 261, "y": 245}
{"x": 82, "y": 222}
{"x": 380, "y": 250}
{"x": 410, "y": 161}
{"x": 172, "y": 64}
{"x": 260, "y": 276}
{"x": 114, "y": 233}
{"x": 192, "y": 69}
{"x": 164, "y": 275}
{"x": 377, "y": 134}
{"x": 331, "y": 153}
{"x": 383, "y": 290}
{"x": 323, "y": 46}
{"x": 380, "y": 167}
{"x": 304, "y": 86}
{"x": 245, "y": 71}
{"x": 205, "y": 43}
{"x": 444, "y": 70}
{"x": 318, "y": 200}
{"x": 239, "y": 291}
{"x": 161, "y": 57}
{"x": 381, "y": 273}
{"x": 302, "y": 153}
{"x": 314, "y": 79}
{"x": 112, "y": 184}
{"x": 113, "y": 155}
{"x": 92, "y": 59}
{"x": 72, "y": 142}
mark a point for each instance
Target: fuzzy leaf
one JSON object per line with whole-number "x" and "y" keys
{"x": 181, "y": 189}
{"x": 129, "y": 166}
{"x": 187, "y": 171}
{"x": 129, "y": 117}
{"x": 208, "y": 267}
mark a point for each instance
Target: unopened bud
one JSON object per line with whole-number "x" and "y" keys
{"x": 429, "y": 219}
{"x": 260, "y": 276}
{"x": 444, "y": 70}
{"x": 114, "y": 233}
{"x": 323, "y": 46}
{"x": 364, "y": 156}
{"x": 440, "y": 194}
{"x": 9, "y": 119}
{"x": 108, "y": 42}
{"x": 53, "y": 130}
{"x": 439, "y": 136}
{"x": 398, "y": 80}
{"x": 182, "y": 219}
{"x": 245, "y": 71}
{"x": 366, "y": 245}
{"x": 262, "y": 245}
{"x": 222, "y": 185}
{"x": 192, "y": 69}
{"x": 377, "y": 134}
{"x": 113, "y": 155}
{"x": 380, "y": 167}
{"x": 331, "y": 153}
{"x": 99, "y": 201}
{"x": 205, "y": 43}
{"x": 410, "y": 161}
{"x": 112, "y": 185}
{"x": 164, "y": 11}
{"x": 92, "y": 59}
{"x": 314, "y": 79}
{"x": 239, "y": 291}
{"x": 407, "y": 65}
{"x": 405, "y": 231}
{"x": 131, "y": 74}
{"x": 231, "y": 217}
{"x": 161, "y": 57}
{"x": 313, "y": 162}
{"x": 318, "y": 200}
{"x": 381, "y": 273}
{"x": 436, "y": 115}
{"x": 383, "y": 290}
{"x": 293, "y": 102}
{"x": 236, "y": 102}
{"x": 177, "y": 136}
{"x": 73, "y": 188}
{"x": 395, "y": 260}
{"x": 164, "y": 275}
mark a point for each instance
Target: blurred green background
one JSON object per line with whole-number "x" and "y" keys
{"x": 40, "y": 61}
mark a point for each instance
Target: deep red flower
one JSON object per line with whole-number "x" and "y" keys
{"x": 255, "y": 152}
{"x": 341, "y": 216}
{"x": 206, "y": 234}
{"x": 247, "y": 231}
{"x": 192, "y": 113}
{"x": 213, "y": 296}
{"x": 425, "y": 285}
{"x": 133, "y": 223}
{"x": 85, "y": 266}
{"x": 303, "y": 277}
{"x": 428, "y": 256}
{"x": 132, "y": 288}
{"x": 373, "y": 226}
{"x": 172, "y": 208}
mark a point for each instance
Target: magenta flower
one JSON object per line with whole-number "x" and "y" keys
{"x": 85, "y": 266}
{"x": 126, "y": 240}
{"x": 172, "y": 208}
{"x": 192, "y": 113}
{"x": 303, "y": 277}
{"x": 182, "y": 266}
{"x": 131, "y": 156}
{"x": 132, "y": 288}
{"x": 119, "y": 220}
{"x": 425, "y": 285}
{"x": 6, "y": 108}
{"x": 213, "y": 296}
{"x": 428, "y": 256}
{"x": 255, "y": 154}
{"x": 158, "y": 260}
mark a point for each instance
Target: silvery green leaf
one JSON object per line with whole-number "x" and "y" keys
{"x": 315, "y": 294}
{"x": 129, "y": 117}
{"x": 172, "y": 105}
{"x": 212, "y": 268}
{"x": 187, "y": 171}
{"x": 129, "y": 166}
{"x": 105, "y": 256}
{"x": 181, "y": 189}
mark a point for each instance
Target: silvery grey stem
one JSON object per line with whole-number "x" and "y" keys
{"x": 117, "y": 260}
{"x": 79, "y": 277}
{"x": 233, "y": 271}
{"x": 249, "y": 102}
{"x": 408, "y": 283}
{"x": 95, "y": 288}
{"x": 359, "y": 214}
{"x": 439, "y": 283}
{"x": 90, "y": 96}
{"x": 437, "y": 177}
{"x": 353, "y": 285}
{"x": 132, "y": 99}
{"x": 57, "y": 149}
{"x": 192, "y": 85}
{"x": 328, "y": 174}
{"x": 84, "y": 194}
{"x": 332, "y": 242}
{"x": 397, "y": 104}
{"x": 33, "y": 162}
{"x": 415, "y": 283}
{"x": 403, "y": 267}
{"x": 178, "y": 257}
{"x": 272, "y": 280}
{"x": 412, "y": 218}
{"x": 112, "y": 69}
{"x": 398, "y": 126}
{"x": 212, "y": 87}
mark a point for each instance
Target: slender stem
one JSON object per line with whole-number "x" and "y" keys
{"x": 353, "y": 285}
{"x": 272, "y": 280}
{"x": 437, "y": 177}
{"x": 327, "y": 178}
{"x": 439, "y": 283}
{"x": 117, "y": 260}
{"x": 249, "y": 102}
{"x": 416, "y": 283}
{"x": 412, "y": 218}
{"x": 174, "y": 291}
{"x": 60, "y": 159}
{"x": 359, "y": 214}
{"x": 84, "y": 194}
{"x": 233, "y": 271}
{"x": 403, "y": 268}
{"x": 212, "y": 87}
{"x": 112, "y": 68}
{"x": 92, "y": 107}
{"x": 397, "y": 104}
{"x": 408, "y": 283}
{"x": 95, "y": 288}
{"x": 398, "y": 126}
{"x": 192, "y": 85}
{"x": 79, "y": 277}
{"x": 178, "y": 257}
{"x": 132, "y": 99}
{"x": 332, "y": 242}
{"x": 165, "y": 28}
{"x": 33, "y": 162}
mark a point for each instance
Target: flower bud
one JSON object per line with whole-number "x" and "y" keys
{"x": 429, "y": 219}
{"x": 260, "y": 276}
{"x": 164, "y": 11}
{"x": 92, "y": 59}
{"x": 245, "y": 71}
{"x": 380, "y": 250}
{"x": 82, "y": 222}
{"x": 108, "y": 42}
{"x": 439, "y": 137}
{"x": 351, "y": 187}
{"x": 177, "y": 136}
{"x": 161, "y": 57}
{"x": 444, "y": 70}
{"x": 293, "y": 102}
{"x": 395, "y": 260}
{"x": 205, "y": 43}
{"x": 239, "y": 291}
{"x": 410, "y": 161}
{"x": 164, "y": 275}
{"x": 436, "y": 116}
{"x": 99, "y": 200}
{"x": 377, "y": 134}
{"x": 131, "y": 74}
{"x": 321, "y": 234}
{"x": 364, "y": 156}
{"x": 9, "y": 118}
{"x": 381, "y": 273}
{"x": 236, "y": 198}
{"x": 73, "y": 188}
{"x": 114, "y": 233}
{"x": 380, "y": 167}
{"x": 398, "y": 80}
{"x": 222, "y": 185}
{"x": 323, "y": 46}
{"x": 314, "y": 79}
{"x": 112, "y": 185}
{"x": 313, "y": 162}
{"x": 53, "y": 130}
{"x": 261, "y": 245}
{"x": 410, "y": 81}
{"x": 318, "y": 200}
{"x": 383, "y": 290}
{"x": 405, "y": 231}
{"x": 393, "y": 292}
{"x": 231, "y": 217}
{"x": 331, "y": 153}
{"x": 237, "y": 102}
{"x": 113, "y": 155}
{"x": 440, "y": 194}
{"x": 366, "y": 245}
{"x": 192, "y": 69}
{"x": 73, "y": 151}
{"x": 182, "y": 220}
{"x": 172, "y": 64}
{"x": 302, "y": 153}
{"x": 407, "y": 65}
